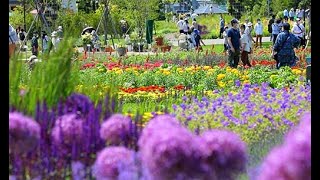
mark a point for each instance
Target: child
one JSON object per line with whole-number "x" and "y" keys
{"x": 198, "y": 39}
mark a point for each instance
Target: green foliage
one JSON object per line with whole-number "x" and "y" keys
{"x": 16, "y": 19}
{"x": 49, "y": 81}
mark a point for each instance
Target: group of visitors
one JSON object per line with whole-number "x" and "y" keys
{"x": 293, "y": 14}
{"x": 18, "y": 38}
{"x": 239, "y": 42}
{"x": 189, "y": 35}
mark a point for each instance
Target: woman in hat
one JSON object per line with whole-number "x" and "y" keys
{"x": 55, "y": 40}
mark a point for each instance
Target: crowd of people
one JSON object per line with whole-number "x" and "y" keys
{"x": 18, "y": 39}
{"x": 238, "y": 41}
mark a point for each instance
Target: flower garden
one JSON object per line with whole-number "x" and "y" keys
{"x": 168, "y": 116}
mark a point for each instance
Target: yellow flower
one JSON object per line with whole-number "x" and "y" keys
{"x": 221, "y": 84}
{"x": 220, "y": 76}
{"x": 235, "y": 71}
{"x": 273, "y": 76}
{"x": 304, "y": 72}
{"x": 179, "y": 69}
{"x": 206, "y": 67}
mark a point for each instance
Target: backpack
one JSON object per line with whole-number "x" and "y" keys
{"x": 22, "y": 36}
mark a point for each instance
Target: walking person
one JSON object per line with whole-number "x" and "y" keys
{"x": 45, "y": 42}
{"x": 285, "y": 13}
{"x": 283, "y": 49}
{"x": 124, "y": 27}
{"x": 248, "y": 32}
{"x": 271, "y": 21}
{"x": 245, "y": 47}
{"x": 186, "y": 27}
{"x": 13, "y": 40}
{"x": 225, "y": 37}
{"x": 195, "y": 25}
{"x": 299, "y": 30}
{"x": 233, "y": 44}
{"x": 180, "y": 25}
{"x": 221, "y": 27}
{"x": 291, "y": 14}
{"x": 35, "y": 45}
{"x": 275, "y": 30}
{"x": 198, "y": 39}
{"x": 258, "y": 28}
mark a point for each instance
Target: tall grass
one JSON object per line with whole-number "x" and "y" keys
{"x": 48, "y": 81}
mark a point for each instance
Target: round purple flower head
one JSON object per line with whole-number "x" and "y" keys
{"x": 78, "y": 103}
{"x": 292, "y": 160}
{"x": 68, "y": 130}
{"x": 169, "y": 151}
{"x": 116, "y": 129}
{"x": 226, "y": 153}
{"x": 156, "y": 123}
{"x": 24, "y": 133}
{"x": 111, "y": 161}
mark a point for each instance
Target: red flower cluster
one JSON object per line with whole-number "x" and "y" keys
{"x": 152, "y": 88}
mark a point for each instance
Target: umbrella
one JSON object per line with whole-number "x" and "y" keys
{"x": 87, "y": 29}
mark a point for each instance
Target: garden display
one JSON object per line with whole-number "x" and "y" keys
{"x": 162, "y": 117}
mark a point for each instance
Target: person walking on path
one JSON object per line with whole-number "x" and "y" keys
{"x": 275, "y": 30}
{"x": 285, "y": 13}
{"x": 258, "y": 28}
{"x": 299, "y": 30}
{"x": 248, "y": 31}
{"x": 283, "y": 49}
{"x": 291, "y": 14}
{"x": 186, "y": 27}
{"x": 245, "y": 47}
{"x": 45, "y": 42}
{"x": 233, "y": 44}
{"x": 271, "y": 21}
{"x": 180, "y": 25}
{"x": 35, "y": 44}
{"x": 225, "y": 37}
{"x": 221, "y": 27}
{"x": 13, "y": 40}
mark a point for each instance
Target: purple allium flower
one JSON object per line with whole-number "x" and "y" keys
{"x": 110, "y": 160}
{"x": 68, "y": 130}
{"x": 24, "y": 133}
{"x": 226, "y": 153}
{"x": 292, "y": 160}
{"x": 169, "y": 150}
{"x": 116, "y": 129}
{"x": 78, "y": 170}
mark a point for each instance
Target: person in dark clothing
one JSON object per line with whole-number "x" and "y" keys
{"x": 234, "y": 44}
{"x": 198, "y": 39}
{"x": 271, "y": 21}
{"x": 283, "y": 49}
{"x": 34, "y": 44}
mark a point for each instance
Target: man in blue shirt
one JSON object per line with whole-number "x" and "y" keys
{"x": 234, "y": 44}
{"x": 284, "y": 47}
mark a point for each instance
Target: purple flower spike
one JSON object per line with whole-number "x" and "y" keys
{"x": 116, "y": 129}
{"x": 226, "y": 153}
{"x": 111, "y": 160}
{"x": 24, "y": 133}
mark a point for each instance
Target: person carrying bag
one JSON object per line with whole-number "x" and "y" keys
{"x": 283, "y": 49}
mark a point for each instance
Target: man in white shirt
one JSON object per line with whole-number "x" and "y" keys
{"x": 298, "y": 30}
{"x": 180, "y": 25}
{"x": 185, "y": 27}
{"x": 258, "y": 28}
